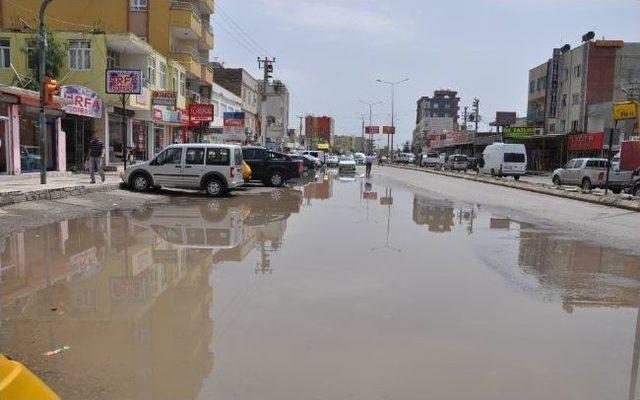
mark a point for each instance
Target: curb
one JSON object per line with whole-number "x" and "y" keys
{"x": 629, "y": 205}
{"x": 19, "y": 196}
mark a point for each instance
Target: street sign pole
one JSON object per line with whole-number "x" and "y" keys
{"x": 42, "y": 38}
{"x": 125, "y": 145}
{"x": 606, "y": 183}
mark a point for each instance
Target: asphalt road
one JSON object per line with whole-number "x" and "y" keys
{"x": 603, "y": 225}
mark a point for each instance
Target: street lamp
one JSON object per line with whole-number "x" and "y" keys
{"x": 370, "y": 117}
{"x": 393, "y": 86}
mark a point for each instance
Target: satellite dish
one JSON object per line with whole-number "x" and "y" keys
{"x": 565, "y": 48}
{"x": 588, "y": 36}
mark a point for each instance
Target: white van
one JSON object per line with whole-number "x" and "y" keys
{"x": 216, "y": 168}
{"x": 504, "y": 159}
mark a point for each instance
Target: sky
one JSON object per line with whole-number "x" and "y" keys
{"x": 330, "y": 53}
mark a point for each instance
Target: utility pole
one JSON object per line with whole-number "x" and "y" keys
{"x": 476, "y": 112}
{"x": 464, "y": 116}
{"x": 300, "y": 118}
{"x": 42, "y": 39}
{"x": 362, "y": 149}
{"x": 267, "y": 65}
{"x": 393, "y": 87}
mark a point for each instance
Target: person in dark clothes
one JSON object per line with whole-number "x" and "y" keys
{"x": 96, "y": 151}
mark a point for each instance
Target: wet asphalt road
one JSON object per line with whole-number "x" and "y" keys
{"x": 402, "y": 286}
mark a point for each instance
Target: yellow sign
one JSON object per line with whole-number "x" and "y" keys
{"x": 323, "y": 146}
{"x": 625, "y": 110}
{"x": 609, "y": 43}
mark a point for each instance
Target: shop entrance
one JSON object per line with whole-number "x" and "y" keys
{"x": 4, "y": 147}
{"x": 79, "y": 131}
{"x": 30, "y": 159}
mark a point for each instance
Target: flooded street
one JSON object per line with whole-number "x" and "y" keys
{"x": 339, "y": 289}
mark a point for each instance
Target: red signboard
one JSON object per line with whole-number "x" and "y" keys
{"x": 389, "y": 130}
{"x": 201, "y": 112}
{"x": 585, "y": 141}
{"x": 371, "y": 130}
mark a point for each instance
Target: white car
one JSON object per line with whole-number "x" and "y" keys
{"x": 504, "y": 159}
{"x": 360, "y": 158}
{"x": 216, "y": 168}
{"x": 433, "y": 159}
{"x": 332, "y": 161}
{"x": 346, "y": 164}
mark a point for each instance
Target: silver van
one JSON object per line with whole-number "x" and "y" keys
{"x": 216, "y": 168}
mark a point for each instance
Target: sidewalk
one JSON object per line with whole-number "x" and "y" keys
{"x": 26, "y": 187}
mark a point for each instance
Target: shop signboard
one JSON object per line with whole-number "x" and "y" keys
{"x": 163, "y": 98}
{"x": 166, "y": 115}
{"x": 625, "y": 110}
{"x": 200, "y": 112}
{"x": 81, "y": 101}
{"x": 371, "y": 130}
{"x": 123, "y": 81}
{"x": 504, "y": 118}
{"x": 585, "y": 141}
{"x": 520, "y": 131}
{"x": 234, "y": 125}
{"x": 386, "y": 201}
{"x": 389, "y": 130}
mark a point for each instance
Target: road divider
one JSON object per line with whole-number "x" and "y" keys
{"x": 611, "y": 200}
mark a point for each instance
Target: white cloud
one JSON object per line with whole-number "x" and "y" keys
{"x": 340, "y": 16}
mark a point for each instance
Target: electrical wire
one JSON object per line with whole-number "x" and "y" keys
{"x": 239, "y": 28}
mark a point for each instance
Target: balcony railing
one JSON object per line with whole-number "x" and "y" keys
{"x": 185, "y": 5}
{"x": 190, "y": 51}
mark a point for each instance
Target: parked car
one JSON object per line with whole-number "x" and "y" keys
{"x": 317, "y": 162}
{"x": 405, "y": 158}
{"x": 308, "y": 163}
{"x": 216, "y": 168}
{"x": 346, "y": 164}
{"x": 360, "y": 158}
{"x": 472, "y": 163}
{"x": 589, "y": 173}
{"x": 271, "y": 168}
{"x": 457, "y": 162}
{"x": 332, "y": 160}
{"x": 433, "y": 159}
{"x": 634, "y": 188}
{"x": 504, "y": 159}
{"x": 319, "y": 154}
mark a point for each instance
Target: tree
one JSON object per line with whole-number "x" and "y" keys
{"x": 54, "y": 61}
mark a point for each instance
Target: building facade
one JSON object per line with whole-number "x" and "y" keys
{"x": 318, "y": 130}
{"x": 246, "y": 87}
{"x": 435, "y": 114}
{"x": 277, "y": 112}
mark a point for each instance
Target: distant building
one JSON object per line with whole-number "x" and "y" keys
{"x": 277, "y": 111}
{"x": 242, "y": 84}
{"x": 318, "y": 130}
{"x": 436, "y": 114}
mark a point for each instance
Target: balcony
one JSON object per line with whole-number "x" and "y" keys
{"x": 206, "y": 73}
{"x": 186, "y": 23}
{"x": 190, "y": 58}
{"x": 206, "y": 42}
{"x": 208, "y": 5}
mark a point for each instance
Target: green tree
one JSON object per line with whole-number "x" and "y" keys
{"x": 54, "y": 61}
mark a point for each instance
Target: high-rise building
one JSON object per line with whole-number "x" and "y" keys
{"x": 436, "y": 114}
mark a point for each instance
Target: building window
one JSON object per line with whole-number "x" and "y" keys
{"x": 138, "y": 5}
{"x": 435, "y": 106}
{"x": 5, "y": 53}
{"x": 163, "y": 75}
{"x": 113, "y": 59}
{"x": 79, "y": 55}
{"x": 174, "y": 83}
{"x": 576, "y": 71}
{"x": 574, "y": 125}
{"x": 532, "y": 86}
{"x": 564, "y": 100}
{"x": 31, "y": 51}
{"x": 565, "y": 75}
{"x": 563, "y": 126}
{"x": 183, "y": 83}
{"x": 575, "y": 99}
{"x": 151, "y": 70}
{"x": 446, "y": 105}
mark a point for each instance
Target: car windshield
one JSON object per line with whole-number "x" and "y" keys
{"x": 346, "y": 158}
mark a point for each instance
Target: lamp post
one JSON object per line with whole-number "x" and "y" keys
{"x": 370, "y": 118}
{"x": 42, "y": 46}
{"x": 393, "y": 87}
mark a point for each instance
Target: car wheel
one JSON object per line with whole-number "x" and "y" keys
{"x": 140, "y": 182}
{"x": 493, "y": 172}
{"x": 586, "y": 184}
{"x": 616, "y": 191}
{"x": 214, "y": 187}
{"x": 276, "y": 179}
{"x": 636, "y": 191}
{"x": 516, "y": 177}
{"x": 556, "y": 180}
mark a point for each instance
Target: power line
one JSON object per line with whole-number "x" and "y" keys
{"x": 239, "y": 29}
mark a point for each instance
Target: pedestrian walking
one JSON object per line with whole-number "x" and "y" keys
{"x": 96, "y": 151}
{"x": 368, "y": 162}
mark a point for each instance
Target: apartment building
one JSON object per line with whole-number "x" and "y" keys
{"x": 277, "y": 112}
{"x": 242, "y": 84}
{"x": 435, "y": 114}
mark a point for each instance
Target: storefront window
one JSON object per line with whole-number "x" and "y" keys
{"x": 115, "y": 138}
{"x": 160, "y": 137}
{"x": 30, "y": 144}
{"x": 140, "y": 140}
{"x": 79, "y": 131}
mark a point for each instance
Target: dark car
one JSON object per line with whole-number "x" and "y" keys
{"x": 307, "y": 164}
{"x": 270, "y": 167}
{"x": 472, "y": 163}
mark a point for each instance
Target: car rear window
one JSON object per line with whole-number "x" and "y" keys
{"x": 238, "y": 156}
{"x": 513, "y": 157}
{"x": 218, "y": 156}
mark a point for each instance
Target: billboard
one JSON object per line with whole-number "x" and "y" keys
{"x": 520, "y": 131}
{"x": 585, "y": 141}
{"x": 201, "y": 112}
{"x": 81, "y": 101}
{"x": 163, "y": 98}
{"x": 625, "y": 110}
{"x": 234, "y": 125}
{"x": 371, "y": 130}
{"x": 504, "y": 118}
{"x": 389, "y": 130}
{"x": 123, "y": 81}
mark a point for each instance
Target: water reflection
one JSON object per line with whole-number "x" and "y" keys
{"x": 130, "y": 293}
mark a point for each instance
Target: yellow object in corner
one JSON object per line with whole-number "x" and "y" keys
{"x": 18, "y": 383}
{"x": 246, "y": 171}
